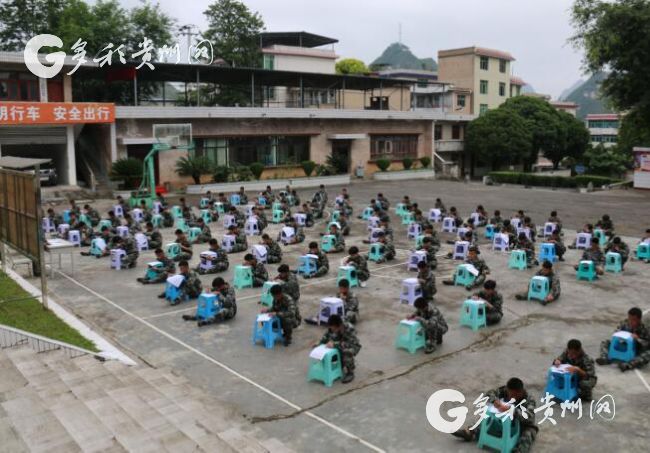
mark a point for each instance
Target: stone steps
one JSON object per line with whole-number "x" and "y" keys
{"x": 49, "y": 402}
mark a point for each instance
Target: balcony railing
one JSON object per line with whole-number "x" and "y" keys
{"x": 449, "y": 145}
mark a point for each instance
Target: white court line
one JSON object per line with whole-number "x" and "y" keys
{"x": 638, "y": 373}
{"x": 226, "y": 367}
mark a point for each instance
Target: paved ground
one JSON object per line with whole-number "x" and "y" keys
{"x": 384, "y": 408}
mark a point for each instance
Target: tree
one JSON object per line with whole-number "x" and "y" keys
{"x": 21, "y": 20}
{"x": 606, "y": 161}
{"x": 633, "y": 131}
{"x": 234, "y": 32}
{"x": 351, "y": 66}
{"x": 498, "y": 137}
{"x": 194, "y": 167}
{"x": 615, "y": 37}
{"x": 573, "y": 139}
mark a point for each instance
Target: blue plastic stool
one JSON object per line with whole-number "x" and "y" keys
{"x": 613, "y": 262}
{"x": 83, "y": 218}
{"x": 600, "y": 234}
{"x": 243, "y": 277}
{"x": 327, "y": 242}
{"x": 66, "y": 216}
{"x": 174, "y": 295}
{"x": 498, "y": 433}
{"x": 489, "y": 231}
{"x": 94, "y": 248}
{"x": 207, "y": 307}
{"x": 408, "y": 218}
{"x": 472, "y": 314}
{"x": 538, "y": 288}
{"x": 400, "y": 209}
{"x": 367, "y": 213}
{"x": 336, "y": 215}
{"x": 105, "y": 223}
{"x": 410, "y": 336}
{"x": 268, "y": 332}
{"x": 463, "y": 276}
{"x": 350, "y": 274}
{"x": 235, "y": 199}
{"x": 327, "y": 370}
{"x": 177, "y": 212}
{"x": 376, "y": 252}
{"x": 172, "y": 250}
{"x": 204, "y": 203}
{"x": 586, "y": 271}
{"x": 194, "y": 234}
{"x": 547, "y": 252}
{"x": 152, "y": 270}
{"x": 157, "y": 220}
{"x": 220, "y": 208}
{"x": 278, "y": 216}
{"x": 206, "y": 216}
{"x": 307, "y": 265}
{"x": 267, "y": 298}
{"x": 517, "y": 260}
{"x": 276, "y": 206}
{"x": 181, "y": 224}
{"x": 418, "y": 241}
{"x": 261, "y": 201}
{"x": 622, "y": 347}
{"x": 563, "y": 386}
{"x": 643, "y": 251}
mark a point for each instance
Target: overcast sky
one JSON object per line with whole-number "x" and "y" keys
{"x": 534, "y": 32}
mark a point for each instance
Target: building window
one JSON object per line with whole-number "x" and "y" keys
{"x": 603, "y": 124}
{"x": 482, "y": 109}
{"x": 269, "y": 61}
{"x": 269, "y": 150}
{"x": 216, "y": 149}
{"x": 460, "y": 100}
{"x": 19, "y": 86}
{"x": 455, "y": 132}
{"x": 485, "y": 63}
{"x": 604, "y": 138}
{"x": 484, "y": 87}
{"x": 502, "y": 66}
{"x": 502, "y": 89}
{"x": 437, "y": 133}
{"x": 423, "y": 83}
{"x": 393, "y": 146}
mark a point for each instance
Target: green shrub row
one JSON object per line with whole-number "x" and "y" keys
{"x": 533, "y": 179}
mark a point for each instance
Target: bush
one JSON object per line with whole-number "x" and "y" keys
{"x": 221, "y": 173}
{"x": 308, "y": 167}
{"x": 242, "y": 173}
{"x": 383, "y": 164}
{"x": 129, "y": 171}
{"x": 324, "y": 170}
{"x": 407, "y": 162}
{"x": 257, "y": 169}
{"x": 425, "y": 161}
{"x": 532, "y": 179}
{"x": 194, "y": 167}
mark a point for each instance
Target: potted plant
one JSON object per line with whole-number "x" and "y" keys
{"x": 383, "y": 164}
{"x": 194, "y": 167}
{"x": 407, "y": 163}
{"x": 308, "y": 167}
{"x": 425, "y": 161}
{"x": 129, "y": 171}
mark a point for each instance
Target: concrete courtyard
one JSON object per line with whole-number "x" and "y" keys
{"x": 383, "y": 409}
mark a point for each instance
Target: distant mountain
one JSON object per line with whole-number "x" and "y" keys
{"x": 587, "y": 96}
{"x": 570, "y": 90}
{"x": 399, "y": 56}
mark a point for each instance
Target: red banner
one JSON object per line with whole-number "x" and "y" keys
{"x": 26, "y": 113}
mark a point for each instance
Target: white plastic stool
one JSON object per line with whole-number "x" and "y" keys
{"x": 373, "y": 222}
{"x": 460, "y": 250}
{"x": 411, "y": 290}
{"x": 526, "y": 231}
{"x": 118, "y": 210}
{"x": 500, "y": 243}
{"x": 228, "y": 242}
{"x": 157, "y": 207}
{"x": 63, "y": 229}
{"x": 374, "y": 234}
{"x": 549, "y": 227}
{"x": 435, "y": 215}
{"x": 415, "y": 229}
{"x": 75, "y": 237}
{"x": 583, "y": 240}
{"x": 117, "y": 256}
{"x": 515, "y": 222}
{"x": 300, "y": 218}
{"x": 260, "y": 252}
{"x": 229, "y": 220}
{"x": 123, "y": 231}
{"x": 287, "y": 234}
{"x": 330, "y": 306}
{"x": 141, "y": 242}
{"x": 415, "y": 258}
{"x": 137, "y": 215}
{"x": 252, "y": 228}
{"x": 48, "y": 225}
{"x": 449, "y": 225}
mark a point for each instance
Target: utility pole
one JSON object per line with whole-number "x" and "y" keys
{"x": 188, "y": 30}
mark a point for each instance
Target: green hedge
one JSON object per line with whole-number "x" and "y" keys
{"x": 534, "y": 179}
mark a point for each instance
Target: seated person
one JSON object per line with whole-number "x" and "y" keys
{"x": 496, "y": 220}
{"x": 557, "y": 241}
{"x": 241, "y": 242}
{"x": 260, "y": 275}
{"x": 523, "y": 406}
{"x": 383, "y": 202}
{"x": 322, "y": 263}
{"x": 640, "y": 333}
{"x": 186, "y": 247}
{"x": 428, "y": 247}
{"x": 528, "y": 223}
{"x": 554, "y": 218}
{"x": 168, "y": 269}
{"x": 582, "y": 365}
{"x": 350, "y": 301}
{"x": 430, "y": 232}
{"x": 339, "y": 242}
{"x": 191, "y": 286}
{"x": 205, "y": 234}
{"x": 427, "y": 281}
{"x": 128, "y": 245}
{"x": 154, "y": 238}
{"x": 227, "y": 298}
{"x": 525, "y": 244}
{"x": 483, "y": 216}
{"x": 360, "y": 264}
{"x": 299, "y": 232}
{"x": 342, "y": 336}
{"x": 493, "y": 302}
{"x": 146, "y": 212}
{"x": 554, "y": 284}
{"x": 593, "y": 253}
{"x": 289, "y": 282}
{"x": 109, "y": 238}
{"x": 389, "y": 248}
{"x": 508, "y": 228}
{"x": 479, "y": 264}
{"x": 606, "y": 224}
{"x": 587, "y": 228}
{"x": 467, "y": 237}
{"x": 92, "y": 214}
{"x": 273, "y": 250}
{"x": 345, "y": 227}
{"x": 115, "y": 220}
{"x": 167, "y": 218}
{"x": 309, "y": 215}
{"x": 219, "y": 263}
{"x": 55, "y": 218}
{"x": 131, "y": 224}
{"x": 453, "y": 213}
{"x": 286, "y": 309}
{"x": 441, "y": 206}
{"x": 296, "y": 197}
{"x": 616, "y": 245}
{"x": 243, "y": 198}
{"x": 432, "y": 322}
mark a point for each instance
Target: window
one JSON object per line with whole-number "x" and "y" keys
{"x": 268, "y": 61}
{"x": 393, "y": 146}
{"x": 485, "y": 63}
{"x": 482, "y": 109}
{"x": 269, "y": 150}
{"x": 484, "y": 87}
{"x": 216, "y": 149}
{"x": 19, "y": 86}
{"x": 603, "y": 124}
{"x": 270, "y": 93}
{"x": 423, "y": 83}
{"x": 455, "y": 132}
{"x": 502, "y": 89}
{"x": 502, "y": 66}
{"x": 604, "y": 138}
{"x": 460, "y": 100}
{"x": 437, "y": 132}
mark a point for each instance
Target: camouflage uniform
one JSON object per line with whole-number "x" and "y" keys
{"x": 586, "y": 363}
{"x": 243, "y": 198}
{"x": 291, "y": 286}
{"x": 133, "y": 227}
{"x": 497, "y": 221}
{"x": 492, "y": 315}
{"x": 273, "y": 252}
{"x": 389, "y": 252}
{"x": 642, "y": 344}
{"x": 482, "y": 269}
{"x": 300, "y": 234}
{"x": 154, "y": 238}
{"x": 527, "y": 246}
{"x": 287, "y": 311}
{"x": 433, "y": 323}
{"x": 322, "y": 264}
{"x": 205, "y": 235}
{"x": 351, "y": 304}
{"x": 184, "y": 255}
{"x": 241, "y": 243}
{"x": 432, "y": 260}
{"x": 131, "y": 258}
{"x": 597, "y": 256}
{"x": 427, "y": 283}
{"x": 191, "y": 286}
{"x": 339, "y": 242}
{"x": 228, "y": 302}
{"x": 435, "y": 240}
{"x": 361, "y": 265}
{"x": 260, "y": 275}
{"x": 94, "y": 216}
{"x": 219, "y": 263}
{"x": 347, "y": 343}
{"x": 606, "y": 225}
{"x": 167, "y": 219}
{"x": 560, "y": 248}
{"x": 169, "y": 267}
{"x": 623, "y": 249}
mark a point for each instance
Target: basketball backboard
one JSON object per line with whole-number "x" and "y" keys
{"x": 177, "y": 135}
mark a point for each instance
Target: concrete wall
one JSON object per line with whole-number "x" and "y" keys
{"x": 459, "y": 70}
{"x": 302, "y": 63}
{"x": 494, "y": 77}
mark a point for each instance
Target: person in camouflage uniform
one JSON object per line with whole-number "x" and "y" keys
{"x": 640, "y": 333}
{"x": 595, "y": 254}
{"x": 342, "y": 336}
{"x": 525, "y": 244}
{"x": 479, "y": 264}
{"x": 186, "y": 247}
{"x": 128, "y": 245}
{"x": 154, "y": 238}
{"x": 322, "y": 263}
{"x": 241, "y": 242}
{"x": 554, "y": 282}
{"x": 273, "y": 250}
{"x": 205, "y": 235}
{"x": 339, "y": 242}
{"x": 606, "y": 224}
{"x": 226, "y": 298}
{"x": 115, "y": 220}
{"x": 219, "y": 263}
{"x": 289, "y": 282}
{"x": 427, "y": 281}
{"x": 523, "y": 403}
{"x": 554, "y": 218}
{"x": 556, "y": 240}
{"x": 225, "y": 202}
{"x": 616, "y": 245}
{"x": 509, "y": 229}
{"x": 497, "y": 220}
{"x": 167, "y": 218}
{"x": 582, "y": 365}
{"x": 422, "y": 220}
{"x": 528, "y": 223}
{"x": 389, "y": 248}
{"x": 309, "y": 215}
{"x": 131, "y": 224}
{"x": 191, "y": 286}
{"x": 93, "y": 215}
{"x": 260, "y": 275}
{"x": 286, "y": 309}
{"x": 168, "y": 268}
{"x": 430, "y": 232}
{"x": 345, "y": 226}
{"x": 428, "y": 247}
{"x": 360, "y": 264}
{"x": 109, "y": 238}
{"x": 384, "y": 204}
{"x": 494, "y": 302}
{"x": 243, "y": 198}
{"x": 432, "y": 322}
{"x": 350, "y": 301}
{"x": 441, "y": 206}
{"x": 146, "y": 212}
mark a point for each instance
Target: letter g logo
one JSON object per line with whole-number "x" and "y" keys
{"x": 459, "y": 414}
{"x": 31, "y": 56}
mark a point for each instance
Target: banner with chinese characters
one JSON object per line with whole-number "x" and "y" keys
{"x": 27, "y": 113}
